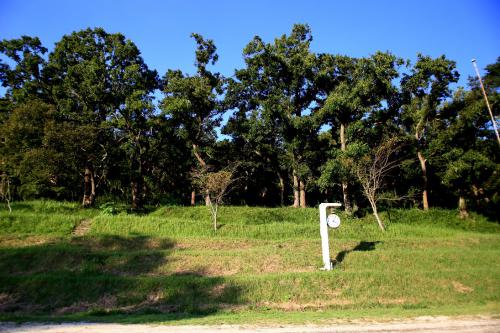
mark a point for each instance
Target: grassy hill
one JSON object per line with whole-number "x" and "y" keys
{"x": 261, "y": 265}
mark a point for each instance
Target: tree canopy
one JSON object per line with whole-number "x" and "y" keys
{"x": 88, "y": 120}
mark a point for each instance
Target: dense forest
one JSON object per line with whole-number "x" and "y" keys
{"x": 295, "y": 128}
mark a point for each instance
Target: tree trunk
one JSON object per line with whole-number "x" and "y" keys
{"x": 88, "y": 187}
{"x": 303, "y": 203}
{"x": 462, "y": 208}
{"x": 5, "y": 189}
{"x": 204, "y": 166}
{"x": 135, "y": 187}
{"x": 137, "y": 179}
{"x": 282, "y": 189}
{"x": 193, "y": 197}
{"x": 375, "y": 213}
{"x": 345, "y": 186}
{"x": 207, "y": 199}
{"x": 423, "y": 166}
{"x": 296, "y": 200}
{"x": 215, "y": 216}
{"x": 198, "y": 156}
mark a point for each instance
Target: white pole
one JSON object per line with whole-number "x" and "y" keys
{"x": 323, "y": 230}
{"x": 486, "y": 99}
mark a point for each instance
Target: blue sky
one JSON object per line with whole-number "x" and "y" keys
{"x": 460, "y": 29}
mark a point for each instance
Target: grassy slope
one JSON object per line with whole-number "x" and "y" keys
{"x": 262, "y": 265}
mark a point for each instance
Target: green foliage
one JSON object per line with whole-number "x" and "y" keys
{"x": 274, "y": 92}
{"x": 467, "y": 168}
{"x": 492, "y": 77}
{"x": 296, "y": 121}
{"x": 25, "y": 79}
{"x": 423, "y": 90}
{"x": 108, "y": 208}
{"x": 339, "y": 167}
{"x": 464, "y": 151}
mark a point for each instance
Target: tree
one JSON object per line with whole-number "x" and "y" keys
{"x": 168, "y": 162}
{"x": 354, "y": 88}
{"x": 466, "y": 155}
{"x": 277, "y": 85}
{"x": 5, "y": 194}
{"x": 492, "y": 77}
{"x": 22, "y": 136}
{"x": 25, "y": 79}
{"x": 466, "y": 173}
{"x": 423, "y": 89}
{"x": 258, "y": 149}
{"x": 192, "y": 102}
{"x": 134, "y": 122}
{"x": 94, "y": 76}
{"x": 372, "y": 169}
{"x": 216, "y": 185}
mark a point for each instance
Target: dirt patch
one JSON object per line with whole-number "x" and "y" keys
{"x": 16, "y": 241}
{"x": 74, "y": 308}
{"x": 82, "y": 228}
{"x": 292, "y": 306}
{"x": 461, "y": 288}
{"x": 394, "y": 301}
{"x": 218, "y": 290}
{"x": 187, "y": 265}
{"x": 273, "y": 263}
{"x": 106, "y": 303}
{"x": 7, "y": 301}
{"x": 217, "y": 245}
{"x": 11, "y": 303}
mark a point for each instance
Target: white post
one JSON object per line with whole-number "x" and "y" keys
{"x": 323, "y": 230}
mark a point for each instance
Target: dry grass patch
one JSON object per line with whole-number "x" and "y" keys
{"x": 82, "y": 228}
{"x": 394, "y": 301}
{"x": 23, "y": 241}
{"x": 218, "y": 244}
{"x": 297, "y": 306}
{"x": 461, "y": 288}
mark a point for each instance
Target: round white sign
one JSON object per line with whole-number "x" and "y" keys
{"x": 333, "y": 221}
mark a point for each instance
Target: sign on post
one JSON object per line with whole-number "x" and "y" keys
{"x": 332, "y": 221}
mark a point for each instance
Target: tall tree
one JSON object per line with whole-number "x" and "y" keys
{"x": 464, "y": 150}
{"x": 259, "y": 152}
{"x": 423, "y": 89}
{"x": 354, "y": 88}
{"x": 192, "y": 102}
{"x": 278, "y": 81}
{"x": 134, "y": 123}
{"x": 93, "y": 76}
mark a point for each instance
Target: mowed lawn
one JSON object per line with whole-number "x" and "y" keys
{"x": 262, "y": 265}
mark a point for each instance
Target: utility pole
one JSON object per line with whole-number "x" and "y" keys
{"x": 486, "y": 99}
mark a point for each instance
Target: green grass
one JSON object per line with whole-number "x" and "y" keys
{"x": 261, "y": 265}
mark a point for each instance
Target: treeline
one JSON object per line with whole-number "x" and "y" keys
{"x": 81, "y": 123}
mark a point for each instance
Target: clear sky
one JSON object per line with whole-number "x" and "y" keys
{"x": 460, "y": 29}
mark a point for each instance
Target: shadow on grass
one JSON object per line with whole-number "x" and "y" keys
{"x": 362, "y": 246}
{"x": 111, "y": 278}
